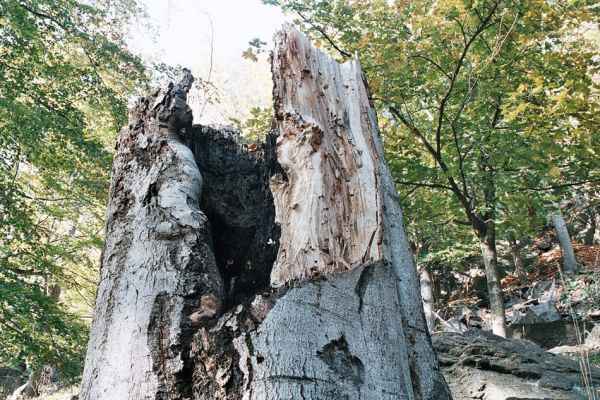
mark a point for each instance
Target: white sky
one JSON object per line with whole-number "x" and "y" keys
{"x": 182, "y": 35}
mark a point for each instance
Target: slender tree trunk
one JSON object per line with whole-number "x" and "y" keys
{"x": 590, "y": 233}
{"x": 487, "y": 244}
{"x": 427, "y": 296}
{"x": 485, "y": 230}
{"x": 340, "y": 316}
{"x": 517, "y": 260}
{"x": 569, "y": 260}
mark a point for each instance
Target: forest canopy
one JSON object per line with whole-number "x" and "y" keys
{"x": 65, "y": 78}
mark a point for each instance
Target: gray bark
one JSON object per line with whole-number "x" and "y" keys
{"x": 159, "y": 277}
{"x": 427, "y": 296}
{"x": 340, "y": 316}
{"x": 487, "y": 244}
{"x": 517, "y": 260}
{"x": 485, "y": 230}
{"x": 569, "y": 260}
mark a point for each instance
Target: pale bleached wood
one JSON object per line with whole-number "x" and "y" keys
{"x": 329, "y": 205}
{"x": 339, "y": 198}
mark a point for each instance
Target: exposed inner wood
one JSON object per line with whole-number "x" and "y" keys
{"x": 328, "y": 207}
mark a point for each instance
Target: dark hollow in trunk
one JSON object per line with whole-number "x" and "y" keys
{"x": 239, "y": 205}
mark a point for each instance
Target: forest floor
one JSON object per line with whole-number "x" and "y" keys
{"x": 555, "y": 311}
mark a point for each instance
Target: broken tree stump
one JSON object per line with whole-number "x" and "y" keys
{"x": 281, "y": 273}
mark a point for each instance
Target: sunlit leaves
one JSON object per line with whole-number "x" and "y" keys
{"x": 64, "y": 80}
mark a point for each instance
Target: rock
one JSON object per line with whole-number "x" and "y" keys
{"x": 540, "y": 290}
{"x": 540, "y": 313}
{"x": 593, "y": 338}
{"x": 454, "y": 324}
{"x": 547, "y": 335}
{"x": 575, "y": 352}
{"x": 478, "y": 364}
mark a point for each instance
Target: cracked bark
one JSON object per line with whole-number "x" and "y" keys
{"x": 280, "y": 271}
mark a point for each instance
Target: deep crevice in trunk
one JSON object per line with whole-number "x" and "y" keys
{"x": 239, "y": 206}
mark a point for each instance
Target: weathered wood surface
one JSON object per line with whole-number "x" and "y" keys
{"x": 329, "y": 206}
{"x": 343, "y": 317}
{"x": 339, "y": 206}
{"x": 159, "y": 276}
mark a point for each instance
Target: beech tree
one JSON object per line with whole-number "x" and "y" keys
{"x": 276, "y": 271}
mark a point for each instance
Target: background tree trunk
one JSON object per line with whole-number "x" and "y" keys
{"x": 487, "y": 244}
{"x": 341, "y": 317}
{"x": 517, "y": 260}
{"x": 427, "y": 296}
{"x": 485, "y": 229}
{"x": 569, "y": 260}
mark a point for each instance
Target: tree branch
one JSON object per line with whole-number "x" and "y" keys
{"x": 457, "y": 69}
{"x": 424, "y": 184}
{"x": 324, "y": 34}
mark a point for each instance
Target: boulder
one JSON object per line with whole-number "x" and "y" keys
{"x": 540, "y": 313}
{"x": 480, "y": 365}
{"x": 563, "y": 332}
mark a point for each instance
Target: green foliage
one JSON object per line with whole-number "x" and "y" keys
{"x": 54, "y": 336}
{"x": 255, "y": 48}
{"x": 64, "y": 80}
{"x": 258, "y": 123}
{"x": 488, "y": 108}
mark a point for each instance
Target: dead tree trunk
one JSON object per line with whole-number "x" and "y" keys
{"x": 210, "y": 299}
{"x": 159, "y": 276}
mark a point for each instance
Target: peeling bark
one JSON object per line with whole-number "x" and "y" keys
{"x": 159, "y": 277}
{"x": 204, "y": 296}
{"x": 339, "y": 207}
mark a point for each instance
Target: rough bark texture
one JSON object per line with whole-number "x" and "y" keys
{"x": 487, "y": 244}
{"x": 338, "y": 338}
{"x": 328, "y": 127}
{"x": 159, "y": 278}
{"x": 185, "y": 308}
{"x": 239, "y": 205}
{"x": 569, "y": 260}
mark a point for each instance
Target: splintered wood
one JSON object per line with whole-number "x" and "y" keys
{"x": 328, "y": 203}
